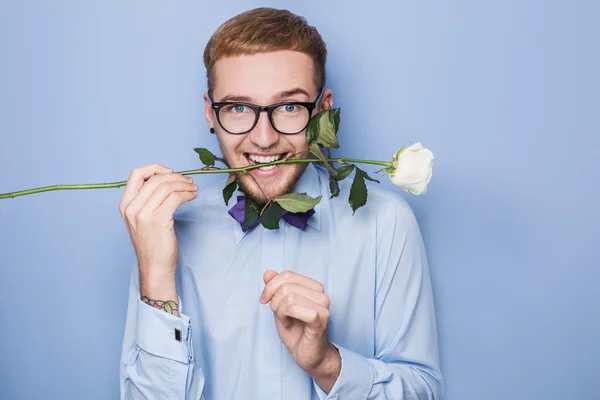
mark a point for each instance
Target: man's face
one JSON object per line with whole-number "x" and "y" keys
{"x": 264, "y": 79}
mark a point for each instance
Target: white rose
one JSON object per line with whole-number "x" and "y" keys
{"x": 412, "y": 168}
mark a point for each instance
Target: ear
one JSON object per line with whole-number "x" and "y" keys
{"x": 208, "y": 111}
{"x": 326, "y": 100}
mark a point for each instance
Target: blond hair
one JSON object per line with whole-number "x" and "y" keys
{"x": 262, "y": 30}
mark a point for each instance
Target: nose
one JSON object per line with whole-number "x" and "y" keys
{"x": 263, "y": 135}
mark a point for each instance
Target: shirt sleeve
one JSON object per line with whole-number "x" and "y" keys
{"x": 157, "y": 358}
{"x": 406, "y": 360}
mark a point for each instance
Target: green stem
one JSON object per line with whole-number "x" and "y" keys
{"x": 340, "y": 160}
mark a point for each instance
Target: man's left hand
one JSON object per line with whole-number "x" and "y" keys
{"x": 301, "y": 311}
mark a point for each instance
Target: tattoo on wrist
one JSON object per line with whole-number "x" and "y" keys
{"x": 168, "y": 306}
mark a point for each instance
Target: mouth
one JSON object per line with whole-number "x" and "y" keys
{"x": 254, "y": 159}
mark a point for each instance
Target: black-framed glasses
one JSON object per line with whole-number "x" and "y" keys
{"x": 289, "y": 117}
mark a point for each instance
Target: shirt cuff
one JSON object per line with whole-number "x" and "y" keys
{"x": 355, "y": 380}
{"x": 163, "y": 334}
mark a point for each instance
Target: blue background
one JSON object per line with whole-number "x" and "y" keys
{"x": 505, "y": 93}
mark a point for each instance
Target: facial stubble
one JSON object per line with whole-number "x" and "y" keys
{"x": 251, "y": 187}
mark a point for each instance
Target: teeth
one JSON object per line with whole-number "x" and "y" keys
{"x": 267, "y": 167}
{"x": 263, "y": 159}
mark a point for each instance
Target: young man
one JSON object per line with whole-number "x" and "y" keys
{"x": 338, "y": 306}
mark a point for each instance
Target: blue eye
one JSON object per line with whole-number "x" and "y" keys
{"x": 238, "y": 108}
{"x": 290, "y": 108}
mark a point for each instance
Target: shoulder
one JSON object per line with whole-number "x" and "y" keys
{"x": 384, "y": 205}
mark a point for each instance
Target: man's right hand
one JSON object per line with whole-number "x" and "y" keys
{"x": 152, "y": 194}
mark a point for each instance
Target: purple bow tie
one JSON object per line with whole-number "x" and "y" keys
{"x": 299, "y": 220}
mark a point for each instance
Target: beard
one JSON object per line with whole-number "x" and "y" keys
{"x": 250, "y": 186}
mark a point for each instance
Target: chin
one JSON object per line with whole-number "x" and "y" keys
{"x": 282, "y": 181}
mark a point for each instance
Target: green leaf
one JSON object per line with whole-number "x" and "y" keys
{"x": 342, "y": 172}
{"x": 312, "y": 130}
{"x": 358, "y": 190}
{"x": 252, "y": 211}
{"x": 323, "y": 128}
{"x": 272, "y": 215}
{"x": 316, "y": 150}
{"x": 230, "y": 187}
{"x": 296, "y": 202}
{"x": 334, "y": 116}
{"x": 365, "y": 175}
{"x": 334, "y": 188}
{"x": 167, "y": 306}
{"x": 338, "y": 175}
{"x": 206, "y": 156}
{"x": 327, "y": 134}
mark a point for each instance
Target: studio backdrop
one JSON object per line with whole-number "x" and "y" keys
{"x": 505, "y": 94}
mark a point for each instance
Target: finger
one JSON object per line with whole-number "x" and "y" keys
{"x": 149, "y": 187}
{"x": 288, "y": 288}
{"x": 302, "y": 309}
{"x": 136, "y": 180}
{"x": 268, "y": 275}
{"x": 154, "y": 182}
{"x": 164, "y": 190}
{"x": 288, "y": 277}
{"x": 174, "y": 200}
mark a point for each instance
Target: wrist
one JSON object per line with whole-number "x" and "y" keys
{"x": 153, "y": 279}
{"x": 328, "y": 370}
{"x": 159, "y": 290}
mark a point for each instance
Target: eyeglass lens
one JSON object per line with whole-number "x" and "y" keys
{"x": 287, "y": 118}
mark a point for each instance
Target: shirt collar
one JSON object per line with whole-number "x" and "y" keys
{"x": 309, "y": 183}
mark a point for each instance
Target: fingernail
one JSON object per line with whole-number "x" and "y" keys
{"x": 262, "y": 299}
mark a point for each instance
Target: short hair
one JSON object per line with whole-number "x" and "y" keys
{"x": 263, "y": 30}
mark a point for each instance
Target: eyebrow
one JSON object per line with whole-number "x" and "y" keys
{"x": 289, "y": 93}
{"x": 277, "y": 97}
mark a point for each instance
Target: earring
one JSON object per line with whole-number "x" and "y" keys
{"x": 212, "y": 130}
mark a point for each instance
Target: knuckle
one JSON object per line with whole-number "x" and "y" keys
{"x": 165, "y": 186}
{"x": 314, "y": 317}
{"x": 320, "y": 287}
{"x": 286, "y": 289}
{"x": 179, "y": 196}
{"x": 326, "y": 315}
{"x": 326, "y": 301}
{"x": 142, "y": 217}
{"x": 130, "y": 214}
{"x": 287, "y": 275}
{"x": 290, "y": 299}
{"x": 154, "y": 178}
{"x": 134, "y": 172}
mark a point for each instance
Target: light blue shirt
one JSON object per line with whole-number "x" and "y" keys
{"x": 374, "y": 269}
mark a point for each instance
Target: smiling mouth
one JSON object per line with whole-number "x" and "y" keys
{"x": 254, "y": 159}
